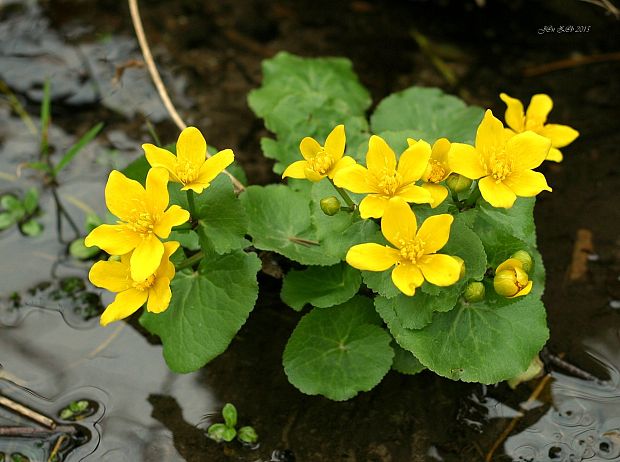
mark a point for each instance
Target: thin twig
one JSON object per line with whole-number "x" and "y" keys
{"x": 33, "y": 432}
{"x": 513, "y": 423}
{"x": 550, "y": 358}
{"x": 27, "y": 412}
{"x": 569, "y": 63}
{"x": 159, "y": 84}
{"x": 56, "y": 448}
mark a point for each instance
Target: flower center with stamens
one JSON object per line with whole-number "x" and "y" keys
{"x": 412, "y": 250}
{"x": 144, "y": 285}
{"x": 435, "y": 172}
{"x": 500, "y": 165}
{"x": 321, "y": 163}
{"x": 142, "y": 222}
{"x": 186, "y": 172}
{"x": 389, "y": 182}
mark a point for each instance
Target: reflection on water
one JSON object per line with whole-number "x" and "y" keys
{"x": 113, "y": 367}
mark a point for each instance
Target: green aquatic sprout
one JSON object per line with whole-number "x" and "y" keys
{"x": 17, "y": 457}
{"x": 75, "y": 410}
{"x": 226, "y": 431}
{"x": 77, "y": 249}
{"x": 21, "y": 212}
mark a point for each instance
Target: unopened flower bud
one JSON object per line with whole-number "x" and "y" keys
{"x": 525, "y": 259}
{"x": 511, "y": 280}
{"x": 534, "y": 370}
{"x": 458, "y": 183}
{"x": 474, "y": 292}
{"x": 330, "y": 205}
{"x": 462, "y": 262}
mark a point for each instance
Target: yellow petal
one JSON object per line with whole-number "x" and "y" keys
{"x": 496, "y": 193}
{"x": 413, "y": 162}
{"x": 515, "y": 117}
{"x": 110, "y": 275}
{"x": 437, "y": 191}
{"x": 159, "y": 295}
{"x": 125, "y": 304}
{"x": 343, "y": 163}
{"x": 415, "y": 194}
{"x": 539, "y": 108}
{"x": 555, "y": 155}
{"x": 146, "y": 258}
{"x": 440, "y": 151}
{"x": 380, "y": 156}
{"x": 335, "y": 142}
{"x": 122, "y": 195}
{"x": 191, "y": 147}
{"x": 309, "y": 148}
{"x": 166, "y": 269}
{"x": 526, "y": 290}
{"x": 198, "y": 188}
{"x": 114, "y": 239}
{"x": 407, "y": 277}
{"x": 159, "y": 157}
{"x": 441, "y": 270}
{"x": 372, "y": 257}
{"x": 373, "y": 206}
{"x": 560, "y": 135}
{"x": 466, "y": 161}
{"x": 296, "y": 170}
{"x": 174, "y": 216}
{"x": 354, "y": 179}
{"x": 435, "y": 232}
{"x": 527, "y": 183}
{"x": 215, "y": 165}
{"x": 398, "y": 224}
{"x": 509, "y": 264}
{"x": 157, "y": 190}
{"x": 527, "y": 150}
{"x": 312, "y": 175}
{"x": 490, "y": 136}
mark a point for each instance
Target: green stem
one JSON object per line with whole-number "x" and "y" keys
{"x": 344, "y": 195}
{"x": 473, "y": 197}
{"x": 191, "y": 203}
{"x": 191, "y": 261}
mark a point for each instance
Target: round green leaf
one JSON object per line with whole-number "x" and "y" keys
{"x": 320, "y": 286}
{"x": 247, "y": 435}
{"x": 207, "y": 309}
{"x": 78, "y": 250}
{"x": 405, "y": 362}
{"x": 229, "y": 412}
{"x": 427, "y": 113}
{"x": 338, "y": 352}
{"x": 32, "y": 228}
{"x": 480, "y": 342}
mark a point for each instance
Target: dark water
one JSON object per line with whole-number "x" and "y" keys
{"x": 52, "y": 353}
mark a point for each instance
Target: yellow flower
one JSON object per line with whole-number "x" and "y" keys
{"x": 511, "y": 280}
{"x": 535, "y": 119}
{"x": 143, "y": 217}
{"x": 503, "y": 162}
{"x": 437, "y": 170}
{"x": 320, "y": 161}
{"x": 115, "y": 276}
{"x": 414, "y": 253}
{"x": 190, "y": 166}
{"x": 384, "y": 179}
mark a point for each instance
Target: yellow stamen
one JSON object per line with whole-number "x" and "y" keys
{"x": 321, "y": 163}
{"x": 146, "y": 284}
{"x": 186, "y": 172}
{"x": 389, "y": 182}
{"x": 411, "y": 250}
{"x": 435, "y": 172}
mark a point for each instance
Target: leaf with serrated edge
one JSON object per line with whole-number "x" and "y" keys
{"x": 479, "y": 342}
{"x": 405, "y": 362}
{"x": 207, "y": 309}
{"x": 338, "y": 352}
{"x": 429, "y": 114}
{"x": 320, "y": 286}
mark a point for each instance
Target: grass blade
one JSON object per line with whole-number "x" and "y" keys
{"x": 77, "y": 147}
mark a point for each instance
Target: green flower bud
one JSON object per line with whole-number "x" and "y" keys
{"x": 458, "y": 183}
{"x": 330, "y": 205}
{"x": 525, "y": 259}
{"x": 534, "y": 370}
{"x": 474, "y": 292}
